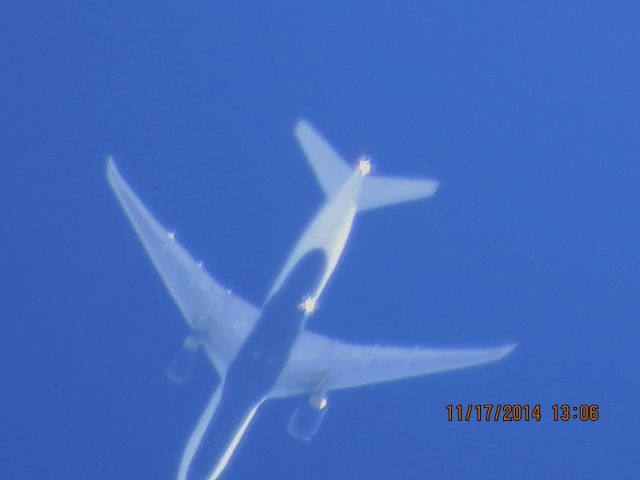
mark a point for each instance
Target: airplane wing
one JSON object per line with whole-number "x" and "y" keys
{"x": 205, "y": 304}
{"x": 318, "y": 362}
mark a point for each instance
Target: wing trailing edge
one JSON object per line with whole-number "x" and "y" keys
{"x": 320, "y": 362}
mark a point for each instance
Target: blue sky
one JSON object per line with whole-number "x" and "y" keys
{"x": 527, "y": 114}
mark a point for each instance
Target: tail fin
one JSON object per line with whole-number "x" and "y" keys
{"x": 332, "y": 171}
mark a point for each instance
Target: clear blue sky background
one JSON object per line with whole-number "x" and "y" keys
{"x": 528, "y": 113}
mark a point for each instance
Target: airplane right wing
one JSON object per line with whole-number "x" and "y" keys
{"x": 205, "y": 304}
{"x": 318, "y": 362}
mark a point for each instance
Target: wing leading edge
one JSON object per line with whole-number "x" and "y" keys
{"x": 318, "y": 362}
{"x": 205, "y": 304}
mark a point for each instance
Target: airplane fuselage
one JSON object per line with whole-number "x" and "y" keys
{"x": 256, "y": 368}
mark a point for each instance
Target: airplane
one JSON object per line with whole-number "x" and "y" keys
{"x": 267, "y": 352}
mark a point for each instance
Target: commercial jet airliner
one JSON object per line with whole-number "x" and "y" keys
{"x": 267, "y": 352}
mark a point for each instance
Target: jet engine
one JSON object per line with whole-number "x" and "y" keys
{"x": 183, "y": 362}
{"x": 307, "y": 419}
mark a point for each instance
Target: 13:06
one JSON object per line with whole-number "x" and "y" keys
{"x": 584, "y": 413}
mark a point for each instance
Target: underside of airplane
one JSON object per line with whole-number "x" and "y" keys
{"x": 266, "y": 352}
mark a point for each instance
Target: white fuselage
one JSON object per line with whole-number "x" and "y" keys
{"x": 328, "y": 231}
{"x": 255, "y": 370}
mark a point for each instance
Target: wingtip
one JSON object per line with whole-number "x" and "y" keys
{"x": 507, "y": 349}
{"x": 435, "y": 186}
{"x": 301, "y": 124}
{"x": 113, "y": 175}
{"x": 110, "y": 165}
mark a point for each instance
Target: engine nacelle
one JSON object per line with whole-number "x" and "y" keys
{"x": 181, "y": 367}
{"x": 307, "y": 419}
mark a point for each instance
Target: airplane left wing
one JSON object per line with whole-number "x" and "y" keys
{"x": 320, "y": 363}
{"x": 205, "y": 304}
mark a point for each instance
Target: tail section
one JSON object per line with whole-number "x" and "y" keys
{"x": 329, "y": 168}
{"x": 382, "y": 191}
{"x": 332, "y": 171}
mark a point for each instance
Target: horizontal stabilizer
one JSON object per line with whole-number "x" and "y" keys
{"x": 332, "y": 171}
{"x": 383, "y": 191}
{"x": 329, "y": 168}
